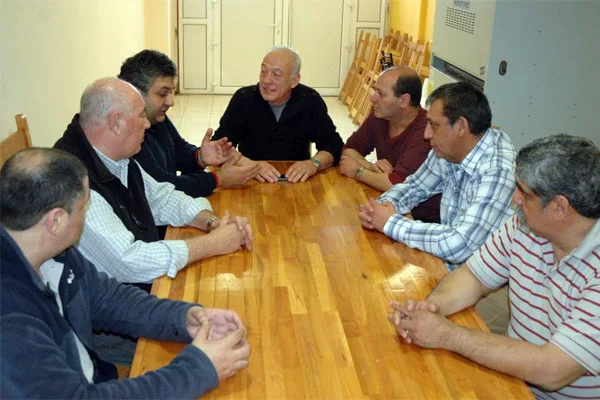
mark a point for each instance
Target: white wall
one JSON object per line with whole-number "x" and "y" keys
{"x": 157, "y": 25}
{"x": 52, "y": 49}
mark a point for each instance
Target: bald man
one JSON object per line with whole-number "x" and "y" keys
{"x": 120, "y": 235}
{"x": 278, "y": 119}
{"x": 395, "y": 130}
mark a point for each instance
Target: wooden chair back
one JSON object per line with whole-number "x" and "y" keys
{"x": 17, "y": 141}
{"x": 417, "y": 57}
{"x": 354, "y": 71}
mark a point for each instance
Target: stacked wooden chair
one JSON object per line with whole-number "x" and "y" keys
{"x": 367, "y": 80}
{"x": 355, "y": 68}
{"x": 365, "y": 67}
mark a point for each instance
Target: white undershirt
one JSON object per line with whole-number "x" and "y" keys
{"x": 51, "y": 272}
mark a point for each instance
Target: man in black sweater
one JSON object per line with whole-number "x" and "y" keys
{"x": 164, "y": 152}
{"x": 278, "y": 119}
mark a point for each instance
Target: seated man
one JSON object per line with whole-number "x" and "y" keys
{"x": 471, "y": 165}
{"x": 548, "y": 254}
{"x": 52, "y": 299}
{"x": 120, "y": 235}
{"x": 279, "y": 118}
{"x": 395, "y": 130}
{"x": 164, "y": 152}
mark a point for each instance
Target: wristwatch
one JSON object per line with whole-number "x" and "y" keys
{"x": 359, "y": 171}
{"x": 211, "y": 221}
{"x": 315, "y": 162}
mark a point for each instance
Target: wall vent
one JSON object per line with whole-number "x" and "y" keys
{"x": 460, "y": 20}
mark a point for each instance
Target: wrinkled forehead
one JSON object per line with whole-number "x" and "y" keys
{"x": 163, "y": 83}
{"x": 281, "y": 60}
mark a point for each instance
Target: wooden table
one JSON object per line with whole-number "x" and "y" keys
{"x": 314, "y": 294}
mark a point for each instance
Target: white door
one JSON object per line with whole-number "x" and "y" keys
{"x": 228, "y": 39}
{"x": 195, "y": 46}
{"x": 244, "y": 30}
{"x": 319, "y": 29}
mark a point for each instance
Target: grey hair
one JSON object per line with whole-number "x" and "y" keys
{"x": 563, "y": 165}
{"x": 101, "y": 98}
{"x": 297, "y": 62}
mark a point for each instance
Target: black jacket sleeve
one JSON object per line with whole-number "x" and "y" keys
{"x": 164, "y": 152}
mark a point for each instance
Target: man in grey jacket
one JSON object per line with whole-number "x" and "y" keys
{"x": 53, "y": 298}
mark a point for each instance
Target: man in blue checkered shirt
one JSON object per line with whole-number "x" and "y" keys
{"x": 470, "y": 164}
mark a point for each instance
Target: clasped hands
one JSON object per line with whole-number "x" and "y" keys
{"x": 231, "y": 233}
{"x": 299, "y": 171}
{"x": 420, "y": 322}
{"x": 374, "y": 215}
{"x": 233, "y": 172}
{"x": 221, "y": 335}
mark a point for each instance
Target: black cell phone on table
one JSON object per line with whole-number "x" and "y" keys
{"x": 282, "y": 178}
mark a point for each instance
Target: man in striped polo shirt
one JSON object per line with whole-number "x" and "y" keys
{"x": 549, "y": 254}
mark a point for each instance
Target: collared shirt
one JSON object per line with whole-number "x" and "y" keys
{"x": 556, "y": 302}
{"x": 112, "y": 248}
{"x": 476, "y": 197}
{"x": 51, "y": 271}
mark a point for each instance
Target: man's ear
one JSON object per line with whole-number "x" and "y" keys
{"x": 560, "y": 207}
{"x": 114, "y": 122}
{"x": 462, "y": 126}
{"x": 405, "y": 100}
{"x": 295, "y": 81}
{"x": 54, "y": 220}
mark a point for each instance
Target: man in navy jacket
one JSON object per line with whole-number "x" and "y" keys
{"x": 53, "y": 299}
{"x": 164, "y": 152}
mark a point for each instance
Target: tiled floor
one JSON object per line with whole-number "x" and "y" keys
{"x": 194, "y": 114}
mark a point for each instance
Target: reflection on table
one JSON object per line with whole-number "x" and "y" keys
{"x": 314, "y": 294}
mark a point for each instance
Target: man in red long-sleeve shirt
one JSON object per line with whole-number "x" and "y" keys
{"x": 395, "y": 129}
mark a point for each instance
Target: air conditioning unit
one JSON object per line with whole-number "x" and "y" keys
{"x": 534, "y": 59}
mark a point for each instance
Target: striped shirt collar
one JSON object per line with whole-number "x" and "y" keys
{"x": 590, "y": 243}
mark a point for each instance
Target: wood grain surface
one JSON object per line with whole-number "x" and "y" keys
{"x": 314, "y": 294}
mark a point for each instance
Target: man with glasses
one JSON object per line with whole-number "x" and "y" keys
{"x": 278, "y": 119}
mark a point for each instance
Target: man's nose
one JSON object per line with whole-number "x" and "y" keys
{"x": 428, "y": 132}
{"x": 170, "y": 100}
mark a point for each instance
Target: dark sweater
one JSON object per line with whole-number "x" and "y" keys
{"x": 250, "y": 124}
{"x": 38, "y": 351}
{"x": 164, "y": 152}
